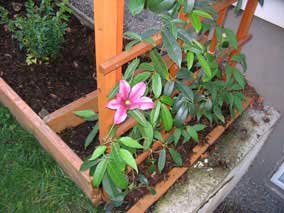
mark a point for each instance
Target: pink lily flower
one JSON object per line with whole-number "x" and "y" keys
{"x": 129, "y": 98}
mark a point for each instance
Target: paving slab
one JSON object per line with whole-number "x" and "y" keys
{"x": 212, "y": 178}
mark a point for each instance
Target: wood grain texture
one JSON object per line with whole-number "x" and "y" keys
{"x": 65, "y": 118}
{"x": 162, "y": 187}
{"x": 108, "y": 43}
{"x": 49, "y": 140}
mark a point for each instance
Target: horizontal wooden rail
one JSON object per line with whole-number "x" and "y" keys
{"x": 144, "y": 47}
{"x": 162, "y": 187}
{"x": 65, "y": 118}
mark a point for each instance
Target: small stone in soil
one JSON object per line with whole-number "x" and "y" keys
{"x": 43, "y": 112}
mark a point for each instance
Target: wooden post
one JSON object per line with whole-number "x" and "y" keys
{"x": 220, "y": 20}
{"x": 108, "y": 15}
{"x": 245, "y": 23}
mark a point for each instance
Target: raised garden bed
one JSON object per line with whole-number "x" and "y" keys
{"x": 62, "y": 120}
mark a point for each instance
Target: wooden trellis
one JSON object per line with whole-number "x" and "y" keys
{"x": 109, "y": 59}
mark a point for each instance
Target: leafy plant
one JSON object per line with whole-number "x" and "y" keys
{"x": 41, "y": 31}
{"x": 163, "y": 102}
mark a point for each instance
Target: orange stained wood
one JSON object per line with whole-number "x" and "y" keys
{"x": 49, "y": 140}
{"x": 245, "y": 23}
{"x": 108, "y": 16}
{"x": 220, "y": 21}
{"x": 162, "y": 187}
{"x": 65, "y": 118}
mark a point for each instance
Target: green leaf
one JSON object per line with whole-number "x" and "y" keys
{"x": 128, "y": 159}
{"x": 184, "y": 74}
{"x": 133, "y": 35}
{"x": 188, "y": 5}
{"x": 181, "y": 115}
{"x": 177, "y": 135}
{"x": 99, "y": 172}
{"x": 158, "y": 136}
{"x": 231, "y": 37}
{"x": 138, "y": 116}
{"x": 136, "y": 6}
{"x": 88, "y": 164}
{"x": 199, "y": 127}
{"x": 169, "y": 88}
{"x": 171, "y": 45}
{"x": 205, "y": 67}
{"x": 185, "y": 90}
{"x": 241, "y": 58}
{"x": 154, "y": 115}
{"x": 130, "y": 69}
{"x": 167, "y": 100}
{"x": 189, "y": 60}
{"x": 159, "y": 64}
{"x": 117, "y": 176}
{"x": 88, "y": 115}
{"x": 131, "y": 44}
{"x": 184, "y": 35}
{"x": 193, "y": 133}
{"x": 196, "y": 23}
{"x": 113, "y": 92}
{"x": 239, "y": 77}
{"x": 162, "y": 160}
{"x": 92, "y": 135}
{"x": 219, "y": 32}
{"x": 115, "y": 157}
{"x": 148, "y": 134}
{"x": 159, "y": 6}
{"x": 98, "y": 152}
{"x": 176, "y": 157}
{"x": 166, "y": 117}
{"x": 110, "y": 188}
{"x": 157, "y": 85}
{"x": 218, "y": 113}
{"x": 130, "y": 142}
{"x": 238, "y": 6}
{"x": 141, "y": 77}
{"x": 146, "y": 66}
{"x": 202, "y": 13}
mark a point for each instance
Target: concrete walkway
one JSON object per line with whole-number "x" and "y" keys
{"x": 265, "y": 54}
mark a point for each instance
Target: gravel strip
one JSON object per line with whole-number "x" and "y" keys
{"x": 137, "y": 24}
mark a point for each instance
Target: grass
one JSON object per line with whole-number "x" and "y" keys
{"x": 30, "y": 180}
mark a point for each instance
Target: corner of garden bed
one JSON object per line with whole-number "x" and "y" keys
{"x": 215, "y": 175}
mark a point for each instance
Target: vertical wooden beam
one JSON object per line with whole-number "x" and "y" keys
{"x": 220, "y": 20}
{"x": 246, "y": 21}
{"x": 108, "y": 15}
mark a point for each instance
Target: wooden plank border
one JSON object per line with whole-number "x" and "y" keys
{"x": 49, "y": 140}
{"x": 64, "y": 117}
{"x": 174, "y": 174}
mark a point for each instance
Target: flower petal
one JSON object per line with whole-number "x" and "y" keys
{"x": 114, "y": 104}
{"x": 142, "y": 103}
{"x": 124, "y": 89}
{"x": 120, "y": 115}
{"x": 137, "y": 91}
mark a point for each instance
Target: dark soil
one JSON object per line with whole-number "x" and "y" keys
{"x": 66, "y": 78}
{"x": 75, "y": 137}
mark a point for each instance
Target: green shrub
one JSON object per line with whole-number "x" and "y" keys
{"x": 41, "y": 31}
